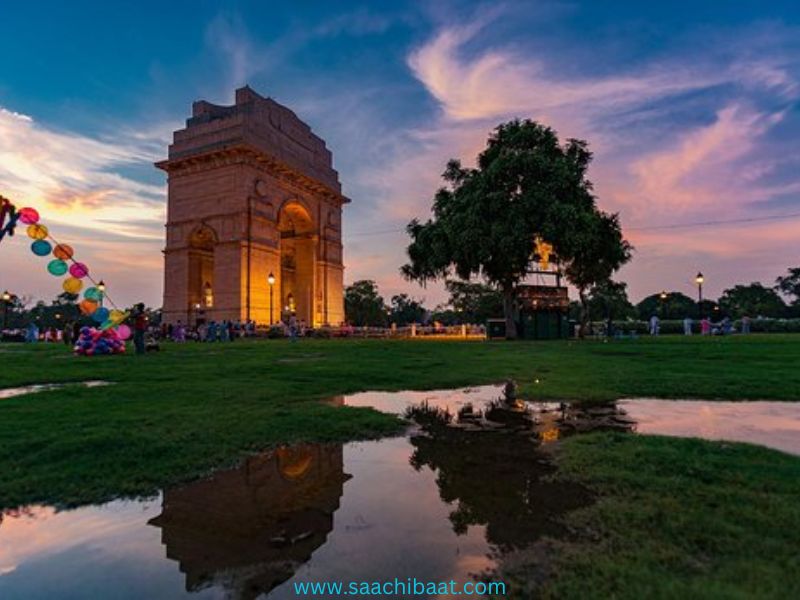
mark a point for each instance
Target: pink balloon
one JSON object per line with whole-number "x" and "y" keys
{"x": 78, "y": 270}
{"x": 28, "y": 215}
{"x": 124, "y": 332}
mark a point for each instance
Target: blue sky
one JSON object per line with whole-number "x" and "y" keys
{"x": 691, "y": 109}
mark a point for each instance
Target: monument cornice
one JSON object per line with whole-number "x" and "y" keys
{"x": 244, "y": 153}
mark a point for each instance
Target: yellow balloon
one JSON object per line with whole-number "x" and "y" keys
{"x": 37, "y": 232}
{"x": 72, "y": 285}
{"x": 117, "y": 316}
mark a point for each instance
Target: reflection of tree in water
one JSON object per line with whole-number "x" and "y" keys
{"x": 496, "y": 479}
{"x": 249, "y": 529}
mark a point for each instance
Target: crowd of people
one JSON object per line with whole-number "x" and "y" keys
{"x": 707, "y": 327}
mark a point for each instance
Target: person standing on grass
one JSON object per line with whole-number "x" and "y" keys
{"x": 654, "y": 325}
{"x": 745, "y": 325}
{"x": 140, "y": 323}
{"x": 293, "y": 328}
{"x": 687, "y": 326}
{"x": 224, "y": 332}
{"x": 705, "y": 326}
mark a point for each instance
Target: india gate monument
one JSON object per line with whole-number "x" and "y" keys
{"x": 254, "y": 218}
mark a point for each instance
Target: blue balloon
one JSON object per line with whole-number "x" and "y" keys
{"x": 41, "y": 247}
{"x": 100, "y": 315}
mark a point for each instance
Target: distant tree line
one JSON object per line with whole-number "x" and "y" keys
{"x": 19, "y": 311}
{"x": 610, "y": 300}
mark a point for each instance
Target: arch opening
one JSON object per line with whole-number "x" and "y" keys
{"x": 201, "y": 271}
{"x": 298, "y": 250}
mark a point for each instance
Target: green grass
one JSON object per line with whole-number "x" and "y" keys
{"x": 176, "y": 415}
{"x": 680, "y": 518}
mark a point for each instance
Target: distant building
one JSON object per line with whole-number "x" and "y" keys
{"x": 252, "y": 191}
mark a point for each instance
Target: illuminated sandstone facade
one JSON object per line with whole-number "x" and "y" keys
{"x": 252, "y": 191}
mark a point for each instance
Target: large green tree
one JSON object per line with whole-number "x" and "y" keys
{"x": 485, "y": 221}
{"x": 363, "y": 305}
{"x": 752, "y": 300}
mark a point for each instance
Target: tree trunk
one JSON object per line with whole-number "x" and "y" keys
{"x": 584, "y": 328}
{"x": 508, "y": 312}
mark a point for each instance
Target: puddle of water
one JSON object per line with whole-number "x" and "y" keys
{"x": 407, "y": 507}
{"x": 45, "y": 387}
{"x": 466, "y": 489}
{"x": 772, "y": 424}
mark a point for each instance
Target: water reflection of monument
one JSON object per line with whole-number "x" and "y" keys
{"x": 495, "y": 478}
{"x": 249, "y": 529}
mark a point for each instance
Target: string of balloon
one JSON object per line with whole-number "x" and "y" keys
{"x": 64, "y": 262}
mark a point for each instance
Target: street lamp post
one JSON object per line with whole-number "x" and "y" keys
{"x": 271, "y": 282}
{"x": 6, "y": 300}
{"x": 663, "y": 303}
{"x": 699, "y": 280}
{"x": 101, "y": 287}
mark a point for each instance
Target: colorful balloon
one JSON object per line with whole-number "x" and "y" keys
{"x": 41, "y": 247}
{"x": 78, "y": 270}
{"x": 37, "y": 232}
{"x": 117, "y": 316}
{"x": 28, "y": 215}
{"x": 93, "y": 293}
{"x": 63, "y": 251}
{"x": 72, "y": 285}
{"x": 124, "y": 332}
{"x": 88, "y": 307}
{"x": 56, "y": 267}
{"x": 100, "y": 315}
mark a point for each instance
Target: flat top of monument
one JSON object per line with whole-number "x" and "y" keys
{"x": 258, "y": 122}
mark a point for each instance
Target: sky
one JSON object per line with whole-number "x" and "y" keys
{"x": 691, "y": 110}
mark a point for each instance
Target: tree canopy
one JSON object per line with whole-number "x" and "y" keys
{"x": 609, "y": 299}
{"x": 674, "y": 305}
{"x": 485, "y": 221}
{"x": 405, "y": 310}
{"x": 363, "y": 304}
{"x": 789, "y": 285}
{"x": 752, "y": 300}
{"x": 474, "y": 302}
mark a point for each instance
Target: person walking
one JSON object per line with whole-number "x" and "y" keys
{"x": 687, "y": 326}
{"x": 140, "y": 323}
{"x": 293, "y": 328}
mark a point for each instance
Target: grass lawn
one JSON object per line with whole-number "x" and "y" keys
{"x": 681, "y": 518}
{"x": 175, "y": 415}
{"x": 674, "y": 518}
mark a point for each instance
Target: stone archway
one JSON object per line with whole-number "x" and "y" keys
{"x": 298, "y": 251}
{"x": 202, "y": 242}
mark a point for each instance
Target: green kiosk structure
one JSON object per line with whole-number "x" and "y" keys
{"x": 541, "y": 311}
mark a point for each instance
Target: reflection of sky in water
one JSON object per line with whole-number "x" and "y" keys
{"x": 772, "y": 424}
{"x": 397, "y": 402}
{"x": 227, "y": 536}
{"x": 96, "y": 552}
{"x": 390, "y": 523}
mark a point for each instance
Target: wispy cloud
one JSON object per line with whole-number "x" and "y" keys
{"x": 75, "y": 182}
{"x": 650, "y": 165}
